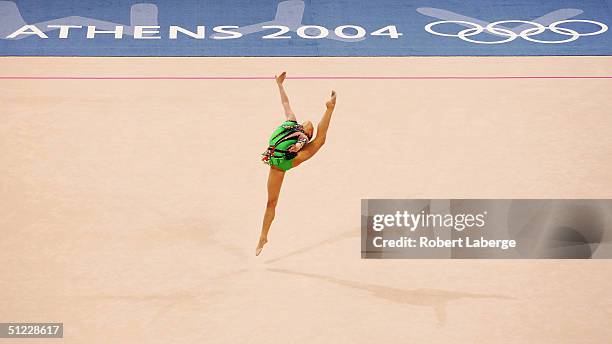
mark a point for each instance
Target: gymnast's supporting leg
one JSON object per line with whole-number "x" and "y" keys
{"x": 275, "y": 181}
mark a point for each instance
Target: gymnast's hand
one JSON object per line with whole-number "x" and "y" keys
{"x": 293, "y": 149}
{"x": 280, "y": 78}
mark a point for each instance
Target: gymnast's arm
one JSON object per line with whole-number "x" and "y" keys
{"x": 284, "y": 99}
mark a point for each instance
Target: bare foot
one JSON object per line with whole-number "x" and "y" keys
{"x": 260, "y": 246}
{"x": 331, "y": 103}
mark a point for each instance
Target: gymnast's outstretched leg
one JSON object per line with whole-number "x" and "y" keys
{"x": 275, "y": 181}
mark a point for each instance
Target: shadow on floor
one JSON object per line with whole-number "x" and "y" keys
{"x": 339, "y": 237}
{"x": 436, "y": 298}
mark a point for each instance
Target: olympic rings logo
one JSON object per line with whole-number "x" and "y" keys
{"x": 510, "y": 35}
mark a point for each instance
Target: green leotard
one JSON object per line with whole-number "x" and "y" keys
{"x": 278, "y": 159}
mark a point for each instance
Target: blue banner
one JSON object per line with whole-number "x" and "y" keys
{"x": 305, "y": 28}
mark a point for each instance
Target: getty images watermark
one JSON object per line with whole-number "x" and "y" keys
{"x": 486, "y": 228}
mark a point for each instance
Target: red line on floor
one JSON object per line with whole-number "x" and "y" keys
{"x": 296, "y": 77}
